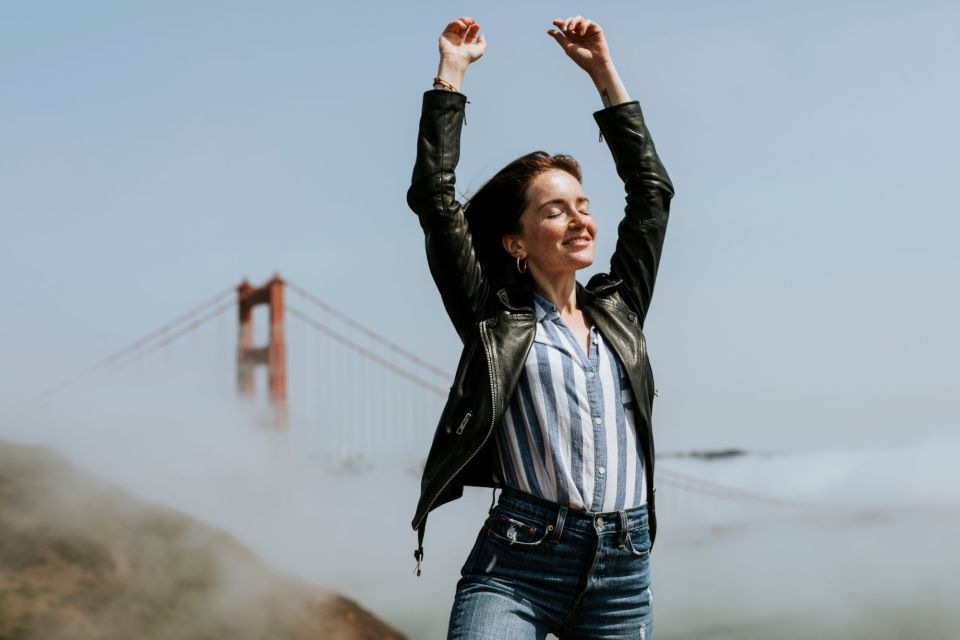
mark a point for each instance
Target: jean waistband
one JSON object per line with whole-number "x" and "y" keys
{"x": 568, "y": 517}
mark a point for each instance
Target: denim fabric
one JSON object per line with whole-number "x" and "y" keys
{"x": 538, "y": 568}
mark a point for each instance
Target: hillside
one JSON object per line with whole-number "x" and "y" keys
{"x": 81, "y": 559}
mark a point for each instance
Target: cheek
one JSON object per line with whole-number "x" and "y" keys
{"x": 551, "y": 233}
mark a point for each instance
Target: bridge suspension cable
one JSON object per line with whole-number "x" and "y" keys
{"x": 160, "y": 337}
{"x": 367, "y": 331}
{"x": 173, "y": 336}
{"x": 366, "y": 353}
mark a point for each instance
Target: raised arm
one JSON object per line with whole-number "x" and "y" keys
{"x": 648, "y": 188}
{"x": 461, "y": 44}
{"x": 432, "y": 195}
{"x": 583, "y": 41}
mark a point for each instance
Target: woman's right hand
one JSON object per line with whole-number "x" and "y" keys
{"x": 460, "y": 44}
{"x": 462, "y": 40}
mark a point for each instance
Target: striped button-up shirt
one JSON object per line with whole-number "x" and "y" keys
{"x": 568, "y": 434}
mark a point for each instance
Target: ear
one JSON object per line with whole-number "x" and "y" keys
{"x": 514, "y": 246}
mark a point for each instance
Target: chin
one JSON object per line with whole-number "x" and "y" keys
{"x": 583, "y": 264}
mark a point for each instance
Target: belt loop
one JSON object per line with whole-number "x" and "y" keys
{"x": 623, "y": 528}
{"x": 561, "y": 519}
{"x": 493, "y": 499}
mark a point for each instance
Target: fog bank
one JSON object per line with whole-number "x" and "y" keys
{"x": 860, "y": 547}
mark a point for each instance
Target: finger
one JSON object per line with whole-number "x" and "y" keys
{"x": 467, "y": 20}
{"x": 482, "y": 41}
{"x": 471, "y": 34}
{"x": 455, "y": 26}
{"x": 577, "y": 24}
{"x": 560, "y": 39}
{"x": 585, "y": 26}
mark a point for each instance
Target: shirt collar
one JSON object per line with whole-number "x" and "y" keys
{"x": 543, "y": 308}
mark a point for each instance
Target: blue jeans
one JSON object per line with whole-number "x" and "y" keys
{"x": 538, "y": 568}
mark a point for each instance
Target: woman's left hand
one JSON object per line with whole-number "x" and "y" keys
{"x": 583, "y": 41}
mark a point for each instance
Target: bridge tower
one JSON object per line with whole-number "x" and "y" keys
{"x": 273, "y": 355}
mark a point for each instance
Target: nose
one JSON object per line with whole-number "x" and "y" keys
{"x": 578, "y": 220}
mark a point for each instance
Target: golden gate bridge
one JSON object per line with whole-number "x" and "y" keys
{"x": 359, "y": 396}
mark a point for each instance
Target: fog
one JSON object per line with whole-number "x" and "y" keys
{"x": 858, "y": 543}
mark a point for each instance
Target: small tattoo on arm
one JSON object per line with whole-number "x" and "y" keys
{"x": 605, "y": 96}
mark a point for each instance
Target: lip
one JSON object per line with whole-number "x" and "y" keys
{"x": 579, "y": 241}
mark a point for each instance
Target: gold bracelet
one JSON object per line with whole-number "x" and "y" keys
{"x": 446, "y": 86}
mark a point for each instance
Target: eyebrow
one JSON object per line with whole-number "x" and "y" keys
{"x": 580, "y": 200}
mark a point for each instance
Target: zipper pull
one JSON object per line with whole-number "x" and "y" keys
{"x": 463, "y": 423}
{"x": 418, "y": 556}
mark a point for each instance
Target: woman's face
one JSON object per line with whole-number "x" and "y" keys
{"x": 557, "y": 231}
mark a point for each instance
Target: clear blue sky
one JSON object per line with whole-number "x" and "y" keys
{"x": 154, "y": 154}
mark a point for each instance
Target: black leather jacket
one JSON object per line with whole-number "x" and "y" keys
{"x": 497, "y": 325}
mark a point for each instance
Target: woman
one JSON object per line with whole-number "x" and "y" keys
{"x": 553, "y": 393}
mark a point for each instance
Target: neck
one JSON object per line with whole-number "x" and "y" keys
{"x": 560, "y": 290}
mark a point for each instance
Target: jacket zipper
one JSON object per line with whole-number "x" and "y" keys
{"x": 463, "y": 423}
{"x": 493, "y": 413}
{"x": 643, "y": 357}
{"x": 643, "y": 369}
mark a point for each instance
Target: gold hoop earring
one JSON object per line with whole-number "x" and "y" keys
{"x": 522, "y": 269}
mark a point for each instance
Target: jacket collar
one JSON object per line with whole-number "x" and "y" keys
{"x": 600, "y": 286}
{"x": 519, "y": 298}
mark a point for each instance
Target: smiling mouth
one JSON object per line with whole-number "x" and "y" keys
{"x": 581, "y": 240}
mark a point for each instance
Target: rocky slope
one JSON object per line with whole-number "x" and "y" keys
{"x": 80, "y": 559}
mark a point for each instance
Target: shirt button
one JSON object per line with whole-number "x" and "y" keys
{"x": 601, "y": 470}
{"x": 596, "y": 421}
{"x": 591, "y": 374}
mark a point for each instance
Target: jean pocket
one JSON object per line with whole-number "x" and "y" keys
{"x": 638, "y": 542}
{"x": 516, "y": 530}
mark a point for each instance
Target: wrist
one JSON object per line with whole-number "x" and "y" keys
{"x": 454, "y": 64}
{"x": 602, "y": 72}
{"x": 455, "y": 56}
{"x": 452, "y": 71}
{"x": 609, "y": 86}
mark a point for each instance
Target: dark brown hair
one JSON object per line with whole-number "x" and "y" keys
{"x": 494, "y": 210}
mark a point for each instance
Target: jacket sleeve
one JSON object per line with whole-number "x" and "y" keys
{"x": 450, "y": 255}
{"x": 648, "y": 193}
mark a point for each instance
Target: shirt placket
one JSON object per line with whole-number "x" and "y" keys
{"x": 595, "y": 402}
